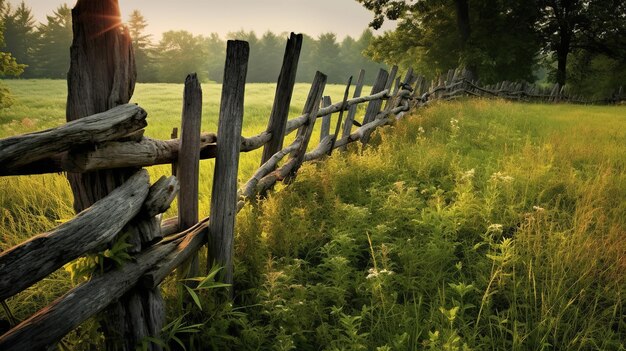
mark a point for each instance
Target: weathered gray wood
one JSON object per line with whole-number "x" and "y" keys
{"x": 248, "y": 191}
{"x": 373, "y": 108}
{"x": 311, "y": 108}
{"x": 34, "y": 259}
{"x": 389, "y": 85}
{"x": 115, "y": 123}
{"x": 347, "y": 126}
{"x": 160, "y": 197}
{"x": 282, "y": 97}
{"x": 325, "y": 130}
{"x": 189, "y": 160}
{"x": 320, "y": 150}
{"x": 299, "y": 121}
{"x": 174, "y": 164}
{"x": 224, "y": 192}
{"x": 67, "y": 312}
{"x": 338, "y": 126}
{"x": 190, "y": 241}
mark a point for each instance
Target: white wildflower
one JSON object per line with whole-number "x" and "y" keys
{"x": 494, "y": 228}
{"x": 538, "y": 209}
{"x": 421, "y": 130}
{"x": 468, "y": 175}
{"x": 373, "y": 273}
{"x": 501, "y": 177}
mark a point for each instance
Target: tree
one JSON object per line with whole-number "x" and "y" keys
{"x": 327, "y": 58}
{"x": 178, "y": 54}
{"x": 596, "y": 26}
{"x": 443, "y": 34}
{"x": 216, "y": 56}
{"x": 19, "y": 34}
{"x": 8, "y": 66}
{"x": 143, "y": 47}
{"x": 52, "y": 54}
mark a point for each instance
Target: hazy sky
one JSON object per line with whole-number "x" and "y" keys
{"x": 313, "y": 17}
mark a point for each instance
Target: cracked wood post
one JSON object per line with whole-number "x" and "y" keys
{"x": 325, "y": 131}
{"x": 224, "y": 192}
{"x": 102, "y": 75}
{"x": 347, "y": 126}
{"x": 189, "y": 162}
{"x": 390, "y": 83}
{"x": 282, "y": 97}
{"x": 373, "y": 108}
{"x": 174, "y": 164}
{"x": 311, "y": 107}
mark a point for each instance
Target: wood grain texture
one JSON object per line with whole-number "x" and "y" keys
{"x": 34, "y": 259}
{"x": 189, "y": 160}
{"x": 224, "y": 192}
{"x": 282, "y": 97}
{"x": 325, "y": 130}
{"x": 115, "y": 123}
{"x": 311, "y": 108}
{"x": 347, "y": 126}
{"x": 373, "y": 108}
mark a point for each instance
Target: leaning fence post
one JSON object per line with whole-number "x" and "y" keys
{"x": 282, "y": 99}
{"x": 390, "y": 83}
{"x": 224, "y": 192}
{"x": 373, "y": 108}
{"x": 347, "y": 126}
{"x": 311, "y": 107}
{"x": 189, "y": 161}
{"x": 325, "y": 131}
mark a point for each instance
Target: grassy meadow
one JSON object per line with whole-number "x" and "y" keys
{"x": 472, "y": 225}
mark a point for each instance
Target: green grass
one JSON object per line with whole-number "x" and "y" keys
{"x": 482, "y": 225}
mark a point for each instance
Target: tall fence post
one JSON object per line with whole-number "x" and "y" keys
{"x": 373, "y": 108}
{"x": 347, "y": 126}
{"x": 224, "y": 192}
{"x": 325, "y": 131}
{"x": 189, "y": 161}
{"x": 174, "y": 135}
{"x": 282, "y": 98}
{"x": 391, "y": 79}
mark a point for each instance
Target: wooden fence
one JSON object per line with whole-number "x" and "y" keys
{"x": 113, "y": 140}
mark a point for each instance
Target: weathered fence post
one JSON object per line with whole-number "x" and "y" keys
{"x": 282, "y": 98}
{"x": 341, "y": 112}
{"x": 347, "y": 126}
{"x": 325, "y": 131}
{"x": 373, "y": 108}
{"x": 189, "y": 162}
{"x": 224, "y": 192}
{"x": 174, "y": 135}
{"x": 304, "y": 133}
{"x": 390, "y": 84}
{"x": 102, "y": 75}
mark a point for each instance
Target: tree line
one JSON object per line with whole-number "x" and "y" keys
{"x": 42, "y": 50}
{"x": 581, "y": 43}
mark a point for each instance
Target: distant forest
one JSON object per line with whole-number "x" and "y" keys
{"x": 43, "y": 49}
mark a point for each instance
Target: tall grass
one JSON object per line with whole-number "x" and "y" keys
{"x": 470, "y": 225}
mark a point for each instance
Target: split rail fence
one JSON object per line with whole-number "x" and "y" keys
{"x": 114, "y": 140}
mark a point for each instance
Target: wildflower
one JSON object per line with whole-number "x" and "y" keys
{"x": 497, "y": 228}
{"x": 538, "y": 209}
{"x": 468, "y": 175}
{"x": 501, "y": 177}
{"x": 375, "y": 273}
{"x": 421, "y": 130}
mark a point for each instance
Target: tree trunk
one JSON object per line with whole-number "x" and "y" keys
{"x": 464, "y": 28}
{"x": 561, "y": 55}
{"x": 102, "y": 75}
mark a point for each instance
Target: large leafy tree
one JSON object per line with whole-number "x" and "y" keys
{"x": 52, "y": 54}
{"x": 178, "y": 54}
{"x": 493, "y": 38}
{"x": 8, "y": 66}
{"x": 593, "y": 26}
{"x": 20, "y": 37}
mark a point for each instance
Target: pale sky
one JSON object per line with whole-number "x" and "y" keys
{"x": 313, "y": 17}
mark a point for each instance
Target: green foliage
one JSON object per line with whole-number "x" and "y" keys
{"x": 52, "y": 53}
{"x": 20, "y": 37}
{"x": 82, "y": 269}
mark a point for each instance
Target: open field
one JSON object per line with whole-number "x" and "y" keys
{"x": 472, "y": 225}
